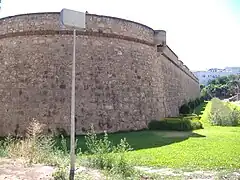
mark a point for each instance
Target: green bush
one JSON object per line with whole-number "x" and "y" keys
{"x": 197, "y": 102}
{"x": 202, "y": 99}
{"x": 185, "y": 109}
{"x": 4, "y": 144}
{"x": 178, "y": 124}
{"x": 102, "y": 154}
{"x": 196, "y": 124}
{"x": 190, "y": 116}
{"x": 223, "y": 114}
{"x": 188, "y": 108}
{"x": 235, "y": 117}
{"x": 191, "y": 104}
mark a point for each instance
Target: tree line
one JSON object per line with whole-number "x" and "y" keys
{"x": 221, "y": 87}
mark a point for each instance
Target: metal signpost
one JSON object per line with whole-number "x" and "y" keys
{"x": 75, "y": 20}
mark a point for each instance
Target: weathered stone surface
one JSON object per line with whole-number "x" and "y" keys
{"x": 122, "y": 82}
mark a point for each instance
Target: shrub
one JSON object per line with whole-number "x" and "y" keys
{"x": 188, "y": 108}
{"x": 178, "y": 124}
{"x": 102, "y": 154}
{"x": 235, "y": 117}
{"x": 223, "y": 114}
{"x": 4, "y": 144}
{"x": 191, "y": 104}
{"x": 190, "y": 116}
{"x": 185, "y": 109}
{"x": 202, "y": 99}
{"x": 197, "y": 102}
{"x": 196, "y": 124}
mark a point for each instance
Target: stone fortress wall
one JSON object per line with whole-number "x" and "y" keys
{"x": 122, "y": 81}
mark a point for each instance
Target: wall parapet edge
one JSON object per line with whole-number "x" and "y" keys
{"x": 88, "y": 14}
{"x": 171, "y": 56}
{"x": 146, "y": 38}
{"x": 50, "y": 21}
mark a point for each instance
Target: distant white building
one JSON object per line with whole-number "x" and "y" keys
{"x": 205, "y": 76}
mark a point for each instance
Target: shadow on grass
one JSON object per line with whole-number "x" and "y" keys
{"x": 137, "y": 139}
{"x": 144, "y": 139}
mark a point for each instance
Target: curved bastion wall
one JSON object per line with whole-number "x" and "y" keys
{"x": 122, "y": 80}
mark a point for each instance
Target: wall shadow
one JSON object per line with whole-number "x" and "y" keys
{"x": 152, "y": 139}
{"x": 142, "y": 139}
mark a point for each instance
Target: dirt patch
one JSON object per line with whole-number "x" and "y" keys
{"x": 84, "y": 173}
{"x": 17, "y": 170}
{"x": 12, "y": 169}
{"x": 196, "y": 174}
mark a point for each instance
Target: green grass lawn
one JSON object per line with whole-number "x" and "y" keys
{"x": 220, "y": 148}
{"x": 213, "y": 147}
{"x": 210, "y": 148}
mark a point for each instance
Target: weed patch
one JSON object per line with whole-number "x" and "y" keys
{"x": 102, "y": 154}
{"x": 34, "y": 148}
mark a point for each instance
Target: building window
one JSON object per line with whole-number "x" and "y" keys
{"x": 203, "y": 76}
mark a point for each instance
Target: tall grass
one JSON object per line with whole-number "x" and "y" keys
{"x": 102, "y": 154}
{"x": 34, "y": 147}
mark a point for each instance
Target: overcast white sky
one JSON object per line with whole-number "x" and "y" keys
{"x": 203, "y": 33}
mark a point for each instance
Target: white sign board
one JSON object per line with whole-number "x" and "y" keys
{"x": 74, "y": 19}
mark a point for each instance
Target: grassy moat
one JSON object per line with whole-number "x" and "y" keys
{"x": 214, "y": 148}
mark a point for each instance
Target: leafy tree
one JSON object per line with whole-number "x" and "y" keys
{"x": 221, "y": 87}
{"x": 202, "y": 86}
{"x": 223, "y": 80}
{"x": 235, "y": 83}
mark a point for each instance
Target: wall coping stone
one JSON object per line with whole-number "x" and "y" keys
{"x": 170, "y": 52}
{"x": 88, "y": 14}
